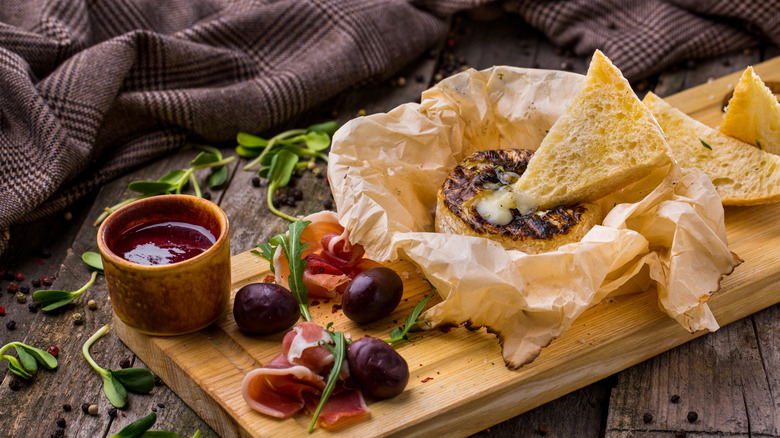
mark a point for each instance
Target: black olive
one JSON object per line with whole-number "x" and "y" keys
{"x": 377, "y": 367}
{"x": 372, "y": 294}
{"x": 265, "y": 308}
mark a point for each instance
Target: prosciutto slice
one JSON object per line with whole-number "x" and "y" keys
{"x": 331, "y": 260}
{"x": 296, "y": 377}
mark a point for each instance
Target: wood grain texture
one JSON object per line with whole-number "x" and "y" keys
{"x": 470, "y": 388}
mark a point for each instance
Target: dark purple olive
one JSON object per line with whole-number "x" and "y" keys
{"x": 265, "y": 308}
{"x": 379, "y": 369}
{"x": 372, "y": 294}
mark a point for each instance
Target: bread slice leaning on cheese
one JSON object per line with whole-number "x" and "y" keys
{"x": 605, "y": 140}
{"x": 753, "y": 114}
{"x": 742, "y": 174}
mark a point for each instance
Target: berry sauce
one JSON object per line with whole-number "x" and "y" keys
{"x": 163, "y": 242}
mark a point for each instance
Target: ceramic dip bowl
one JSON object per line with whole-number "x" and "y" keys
{"x": 167, "y": 263}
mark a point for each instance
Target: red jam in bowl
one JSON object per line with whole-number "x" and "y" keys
{"x": 163, "y": 242}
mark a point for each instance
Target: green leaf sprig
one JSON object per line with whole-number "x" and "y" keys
{"x": 117, "y": 382}
{"x": 704, "y": 143}
{"x": 54, "y": 299}
{"x": 399, "y": 333}
{"x": 281, "y": 155}
{"x": 339, "y": 352}
{"x": 174, "y": 182}
{"x": 140, "y": 429}
{"x": 29, "y": 358}
{"x": 758, "y": 143}
{"x": 293, "y": 248}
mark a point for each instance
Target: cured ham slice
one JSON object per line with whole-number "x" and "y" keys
{"x": 296, "y": 377}
{"x": 331, "y": 260}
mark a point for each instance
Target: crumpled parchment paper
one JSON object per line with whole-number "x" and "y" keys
{"x": 385, "y": 171}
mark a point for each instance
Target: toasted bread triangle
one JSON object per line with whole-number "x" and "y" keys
{"x": 742, "y": 174}
{"x": 753, "y": 114}
{"x": 605, "y": 140}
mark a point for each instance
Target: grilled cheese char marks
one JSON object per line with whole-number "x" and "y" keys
{"x": 487, "y": 174}
{"x": 605, "y": 140}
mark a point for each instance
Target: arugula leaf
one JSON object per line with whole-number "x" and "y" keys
{"x": 339, "y": 351}
{"x": 399, "y": 333}
{"x": 267, "y": 252}
{"x": 293, "y": 250}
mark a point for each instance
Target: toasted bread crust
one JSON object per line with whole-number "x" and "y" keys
{"x": 533, "y": 233}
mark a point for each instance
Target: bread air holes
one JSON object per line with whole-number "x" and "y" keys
{"x": 722, "y": 182}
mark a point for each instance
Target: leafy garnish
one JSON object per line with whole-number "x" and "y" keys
{"x": 29, "y": 359}
{"x": 758, "y": 143}
{"x": 281, "y": 155}
{"x": 339, "y": 352}
{"x": 54, "y": 299}
{"x": 399, "y": 333}
{"x": 293, "y": 250}
{"x": 117, "y": 382}
{"x": 140, "y": 429}
{"x": 175, "y": 181}
{"x": 704, "y": 143}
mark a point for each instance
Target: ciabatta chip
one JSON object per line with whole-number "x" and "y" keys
{"x": 753, "y": 114}
{"x": 742, "y": 174}
{"x": 605, "y": 140}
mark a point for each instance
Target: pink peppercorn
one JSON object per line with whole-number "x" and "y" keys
{"x": 54, "y": 351}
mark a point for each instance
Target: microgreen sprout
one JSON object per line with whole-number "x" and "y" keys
{"x": 399, "y": 333}
{"x": 281, "y": 155}
{"x": 174, "y": 182}
{"x": 140, "y": 428}
{"x": 54, "y": 299}
{"x": 117, "y": 382}
{"x": 29, "y": 358}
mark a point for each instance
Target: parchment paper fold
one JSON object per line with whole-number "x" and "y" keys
{"x": 385, "y": 170}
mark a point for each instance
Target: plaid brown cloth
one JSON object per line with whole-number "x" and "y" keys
{"x": 91, "y": 89}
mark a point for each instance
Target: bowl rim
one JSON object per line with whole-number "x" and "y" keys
{"x": 201, "y": 203}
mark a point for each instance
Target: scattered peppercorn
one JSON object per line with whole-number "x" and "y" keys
{"x": 2, "y": 311}
{"x": 206, "y": 196}
{"x": 36, "y": 283}
{"x": 157, "y": 380}
{"x": 92, "y": 304}
{"x": 19, "y": 276}
{"x": 154, "y": 409}
{"x": 12, "y": 288}
{"x": 54, "y": 351}
{"x": 692, "y": 416}
{"x": 33, "y": 307}
{"x": 675, "y": 399}
{"x": 541, "y": 430}
{"x": 112, "y": 412}
{"x": 256, "y": 181}
{"x": 61, "y": 422}
{"x": 78, "y": 318}
{"x": 85, "y": 408}
{"x": 66, "y": 407}
{"x": 92, "y": 410}
{"x": 46, "y": 281}
{"x": 24, "y": 289}
{"x": 10, "y": 325}
{"x": 15, "y": 385}
{"x": 124, "y": 363}
{"x": 21, "y": 298}
{"x": 328, "y": 204}
{"x": 297, "y": 194}
{"x": 648, "y": 417}
{"x": 160, "y": 405}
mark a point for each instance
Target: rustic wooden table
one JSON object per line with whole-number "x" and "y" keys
{"x": 730, "y": 379}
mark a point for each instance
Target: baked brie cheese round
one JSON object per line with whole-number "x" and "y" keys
{"x": 475, "y": 200}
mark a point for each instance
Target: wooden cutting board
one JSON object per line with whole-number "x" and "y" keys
{"x": 459, "y": 384}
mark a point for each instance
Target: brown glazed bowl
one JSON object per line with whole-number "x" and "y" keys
{"x": 170, "y": 299}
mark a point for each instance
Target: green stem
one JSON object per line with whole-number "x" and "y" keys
{"x": 86, "y": 286}
{"x": 338, "y": 353}
{"x": 196, "y": 186}
{"x": 7, "y": 347}
{"x": 210, "y": 149}
{"x": 113, "y": 208}
{"x": 274, "y": 210}
{"x": 88, "y": 344}
{"x": 271, "y": 143}
{"x": 221, "y": 162}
